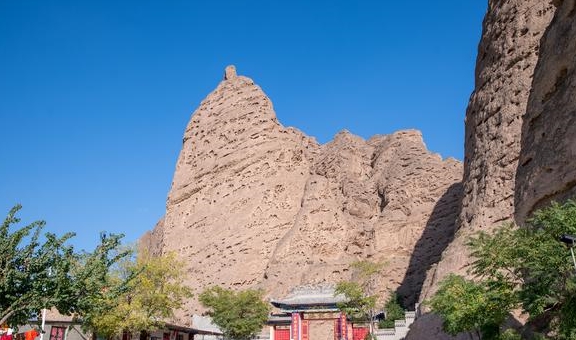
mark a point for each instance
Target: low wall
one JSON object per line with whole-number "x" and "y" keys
{"x": 400, "y": 329}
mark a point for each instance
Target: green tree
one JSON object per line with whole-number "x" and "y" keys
{"x": 90, "y": 276}
{"x": 152, "y": 288}
{"x": 534, "y": 259}
{"x": 526, "y": 267}
{"x": 468, "y": 306}
{"x": 360, "y": 292}
{"x": 41, "y": 271}
{"x": 509, "y": 334}
{"x": 240, "y": 315}
{"x": 394, "y": 311}
{"x": 32, "y": 271}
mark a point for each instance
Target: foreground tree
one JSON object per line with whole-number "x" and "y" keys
{"x": 240, "y": 315}
{"x": 393, "y": 311}
{"x": 154, "y": 289}
{"x": 360, "y": 292}
{"x": 526, "y": 267}
{"x": 41, "y": 271}
{"x": 467, "y": 306}
{"x": 26, "y": 284}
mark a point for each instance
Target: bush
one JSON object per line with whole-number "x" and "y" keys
{"x": 393, "y": 310}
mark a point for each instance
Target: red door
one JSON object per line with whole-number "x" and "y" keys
{"x": 281, "y": 334}
{"x": 57, "y": 333}
{"x": 359, "y": 333}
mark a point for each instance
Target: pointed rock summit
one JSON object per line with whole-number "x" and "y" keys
{"x": 255, "y": 204}
{"x": 230, "y": 72}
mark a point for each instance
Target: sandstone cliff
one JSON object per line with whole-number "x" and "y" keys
{"x": 255, "y": 204}
{"x": 375, "y": 199}
{"x": 547, "y": 169}
{"x": 237, "y": 187}
{"x": 507, "y": 56}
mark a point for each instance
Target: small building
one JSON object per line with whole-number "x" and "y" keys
{"x": 311, "y": 313}
{"x": 63, "y": 327}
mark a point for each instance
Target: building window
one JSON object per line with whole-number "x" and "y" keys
{"x": 126, "y": 335}
{"x": 57, "y": 333}
{"x": 180, "y": 337}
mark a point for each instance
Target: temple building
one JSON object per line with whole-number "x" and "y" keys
{"x": 310, "y": 313}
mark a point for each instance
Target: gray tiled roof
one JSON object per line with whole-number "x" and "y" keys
{"x": 310, "y": 295}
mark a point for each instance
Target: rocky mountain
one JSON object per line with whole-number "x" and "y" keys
{"x": 531, "y": 159}
{"x": 507, "y": 55}
{"x": 255, "y": 204}
{"x": 547, "y": 165}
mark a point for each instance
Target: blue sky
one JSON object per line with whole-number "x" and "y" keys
{"x": 95, "y": 95}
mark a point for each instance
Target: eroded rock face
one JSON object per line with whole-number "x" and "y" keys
{"x": 547, "y": 169}
{"x": 254, "y": 204}
{"x": 429, "y": 327}
{"x": 507, "y": 55}
{"x": 370, "y": 199}
{"x": 237, "y": 187}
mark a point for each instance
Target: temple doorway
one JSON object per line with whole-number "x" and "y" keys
{"x": 321, "y": 329}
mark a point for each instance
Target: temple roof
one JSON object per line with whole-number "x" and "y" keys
{"x": 311, "y": 296}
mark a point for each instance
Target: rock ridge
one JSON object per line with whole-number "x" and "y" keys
{"x": 256, "y": 204}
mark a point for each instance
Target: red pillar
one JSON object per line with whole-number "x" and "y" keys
{"x": 343, "y": 327}
{"x": 295, "y": 326}
{"x": 305, "y": 330}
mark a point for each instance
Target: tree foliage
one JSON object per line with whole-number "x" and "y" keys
{"x": 394, "y": 311}
{"x": 40, "y": 271}
{"x": 26, "y": 284}
{"x": 90, "y": 286}
{"x": 358, "y": 304}
{"x": 468, "y": 306}
{"x": 360, "y": 292}
{"x": 526, "y": 267}
{"x": 153, "y": 290}
{"x": 240, "y": 315}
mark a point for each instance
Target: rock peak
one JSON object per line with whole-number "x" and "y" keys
{"x": 230, "y": 72}
{"x": 254, "y": 204}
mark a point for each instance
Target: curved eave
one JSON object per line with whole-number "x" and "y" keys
{"x": 305, "y": 307}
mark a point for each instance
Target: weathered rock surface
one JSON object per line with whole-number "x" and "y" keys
{"x": 507, "y": 56}
{"x": 254, "y": 204}
{"x": 429, "y": 327}
{"x": 370, "y": 199}
{"x": 547, "y": 169}
{"x": 237, "y": 187}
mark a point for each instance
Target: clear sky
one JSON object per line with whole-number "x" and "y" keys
{"x": 95, "y": 95}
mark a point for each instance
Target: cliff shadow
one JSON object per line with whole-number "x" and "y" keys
{"x": 437, "y": 235}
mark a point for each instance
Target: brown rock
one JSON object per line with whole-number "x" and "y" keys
{"x": 230, "y": 72}
{"x": 547, "y": 169}
{"x": 370, "y": 199}
{"x": 429, "y": 327}
{"x": 237, "y": 186}
{"x": 507, "y": 56}
{"x": 254, "y": 204}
